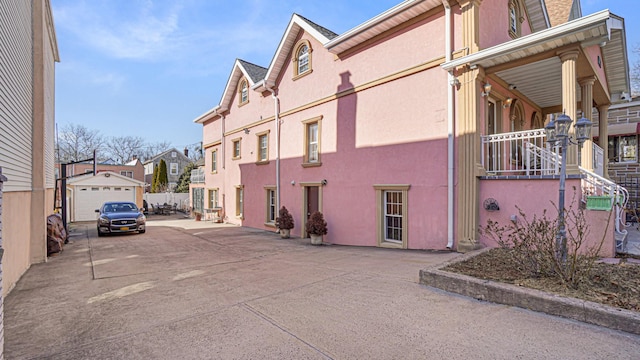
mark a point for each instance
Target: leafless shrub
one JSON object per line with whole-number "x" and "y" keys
{"x": 533, "y": 246}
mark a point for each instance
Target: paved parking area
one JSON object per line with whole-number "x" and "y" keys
{"x": 205, "y": 291}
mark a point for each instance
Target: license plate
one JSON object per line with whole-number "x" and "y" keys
{"x": 124, "y": 229}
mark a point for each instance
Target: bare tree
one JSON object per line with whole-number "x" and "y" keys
{"x": 153, "y": 149}
{"x": 76, "y": 142}
{"x": 123, "y": 148}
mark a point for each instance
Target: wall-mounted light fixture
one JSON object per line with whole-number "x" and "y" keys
{"x": 507, "y": 102}
{"x": 512, "y": 87}
{"x": 246, "y": 131}
{"x": 486, "y": 89}
{"x": 454, "y": 82}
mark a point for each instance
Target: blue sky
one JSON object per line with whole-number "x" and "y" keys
{"x": 149, "y": 67}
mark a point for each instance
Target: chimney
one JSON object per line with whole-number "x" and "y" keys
{"x": 186, "y": 152}
{"x": 134, "y": 157}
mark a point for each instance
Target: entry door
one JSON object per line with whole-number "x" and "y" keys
{"x": 312, "y": 202}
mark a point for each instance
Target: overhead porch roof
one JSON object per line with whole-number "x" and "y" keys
{"x": 531, "y": 62}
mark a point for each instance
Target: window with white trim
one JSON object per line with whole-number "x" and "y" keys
{"x": 263, "y": 147}
{"x": 239, "y": 200}
{"x": 311, "y": 149}
{"x": 392, "y": 219}
{"x": 214, "y": 161}
{"x": 515, "y": 19}
{"x": 236, "y": 149}
{"x": 271, "y": 205}
{"x": 302, "y": 59}
{"x": 127, "y": 173}
{"x": 173, "y": 168}
{"x": 243, "y": 91}
{"x": 213, "y": 198}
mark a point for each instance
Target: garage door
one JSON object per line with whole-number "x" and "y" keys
{"x": 90, "y": 198}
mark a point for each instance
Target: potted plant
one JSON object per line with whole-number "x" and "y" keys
{"x": 316, "y": 227}
{"x": 284, "y": 222}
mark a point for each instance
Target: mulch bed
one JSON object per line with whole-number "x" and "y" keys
{"x": 615, "y": 285}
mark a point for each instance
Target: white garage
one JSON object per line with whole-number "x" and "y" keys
{"x": 87, "y": 193}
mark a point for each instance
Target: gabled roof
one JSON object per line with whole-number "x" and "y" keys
{"x": 100, "y": 178}
{"x": 398, "y": 14}
{"x": 133, "y": 162}
{"x": 241, "y": 68}
{"x": 156, "y": 157}
{"x": 296, "y": 24}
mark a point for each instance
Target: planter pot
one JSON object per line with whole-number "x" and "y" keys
{"x": 198, "y": 216}
{"x": 316, "y": 239}
{"x": 284, "y": 233}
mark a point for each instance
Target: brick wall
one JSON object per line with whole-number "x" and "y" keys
{"x": 626, "y": 174}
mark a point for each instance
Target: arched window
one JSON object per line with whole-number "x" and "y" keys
{"x": 243, "y": 91}
{"x": 302, "y": 58}
{"x": 515, "y": 18}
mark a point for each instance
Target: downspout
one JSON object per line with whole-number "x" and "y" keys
{"x": 450, "y": 125}
{"x": 224, "y": 178}
{"x": 277, "y": 120}
{"x": 222, "y": 145}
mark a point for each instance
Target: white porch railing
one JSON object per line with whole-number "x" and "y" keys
{"x": 518, "y": 153}
{"x": 527, "y": 153}
{"x": 197, "y": 176}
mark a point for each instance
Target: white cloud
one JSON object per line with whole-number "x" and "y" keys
{"x": 132, "y": 30}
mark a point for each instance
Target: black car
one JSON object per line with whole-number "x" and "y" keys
{"x": 120, "y": 217}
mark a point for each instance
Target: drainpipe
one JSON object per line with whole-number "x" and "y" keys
{"x": 277, "y": 120}
{"x": 222, "y": 144}
{"x": 450, "y": 124}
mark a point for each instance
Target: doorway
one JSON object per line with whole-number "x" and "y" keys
{"x": 312, "y": 202}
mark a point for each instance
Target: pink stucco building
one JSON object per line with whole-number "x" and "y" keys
{"x": 399, "y": 129}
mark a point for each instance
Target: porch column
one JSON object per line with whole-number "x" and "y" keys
{"x": 586, "y": 85}
{"x": 467, "y": 134}
{"x": 569, "y": 59}
{"x": 603, "y": 137}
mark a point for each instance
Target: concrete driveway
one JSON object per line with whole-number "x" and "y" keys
{"x": 205, "y": 291}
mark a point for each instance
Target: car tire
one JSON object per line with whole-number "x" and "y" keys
{"x": 100, "y": 234}
{"x": 142, "y": 231}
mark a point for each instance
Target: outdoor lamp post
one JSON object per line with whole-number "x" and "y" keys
{"x": 558, "y": 131}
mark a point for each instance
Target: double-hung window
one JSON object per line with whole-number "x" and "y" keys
{"x": 214, "y": 161}
{"x": 236, "y": 149}
{"x": 271, "y": 205}
{"x": 173, "y": 168}
{"x": 312, "y": 142}
{"x": 239, "y": 201}
{"x": 263, "y": 147}
{"x": 392, "y": 219}
{"x": 213, "y": 198}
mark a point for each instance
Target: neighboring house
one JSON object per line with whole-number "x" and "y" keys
{"x": 176, "y": 162}
{"x": 133, "y": 169}
{"x": 197, "y": 189}
{"x": 402, "y": 129}
{"x": 86, "y": 193}
{"x": 29, "y": 53}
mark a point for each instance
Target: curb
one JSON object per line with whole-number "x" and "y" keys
{"x": 532, "y": 299}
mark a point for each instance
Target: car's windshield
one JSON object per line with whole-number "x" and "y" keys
{"x": 120, "y": 207}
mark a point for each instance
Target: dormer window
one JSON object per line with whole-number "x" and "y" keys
{"x": 243, "y": 91}
{"x": 515, "y": 19}
{"x": 302, "y": 59}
